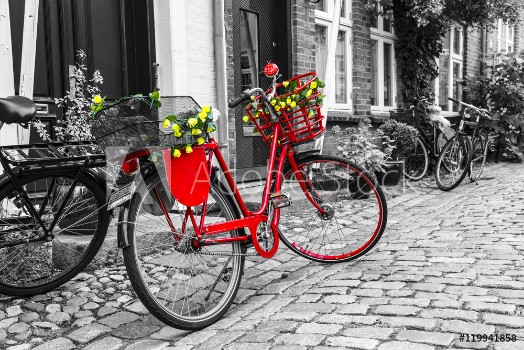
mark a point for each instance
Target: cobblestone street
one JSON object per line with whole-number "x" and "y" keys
{"x": 448, "y": 263}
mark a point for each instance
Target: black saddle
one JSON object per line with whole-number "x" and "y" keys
{"x": 17, "y": 110}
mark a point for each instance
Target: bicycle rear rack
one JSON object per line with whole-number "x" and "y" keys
{"x": 47, "y": 155}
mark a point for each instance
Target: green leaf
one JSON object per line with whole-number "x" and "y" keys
{"x": 157, "y": 104}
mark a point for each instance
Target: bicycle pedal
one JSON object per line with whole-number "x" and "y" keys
{"x": 280, "y": 200}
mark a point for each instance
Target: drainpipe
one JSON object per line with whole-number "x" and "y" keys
{"x": 7, "y": 83}
{"x": 330, "y": 68}
{"x": 27, "y": 70}
{"x": 221, "y": 74}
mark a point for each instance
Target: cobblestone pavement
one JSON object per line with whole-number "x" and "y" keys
{"x": 449, "y": 263}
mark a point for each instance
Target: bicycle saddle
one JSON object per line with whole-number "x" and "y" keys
{"x": 17, "y": 109}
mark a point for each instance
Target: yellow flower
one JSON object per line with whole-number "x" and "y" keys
{"x": 309, "y": 93}
{"x": 97, "y": 99}
{"x": 273, "y": 102}
{"x": 176, "y": 128}
{"x": 277, "y": 108}
{"x": 311, "y": 113}
{"x": 210, "y": 129}
{"x": 201, "y": 141}
{"x": 206, "y": 109}
{"x": 314, "y": 85}
{"x": 196, "y": 132}
{"x": 189, "y": 149}
{"x": 177, "y": 153}
{"x": 245, "y": 119}
{"x": 282, "y": 104}
{"x": 178, "y": 134}
{"x": 166, "y": 123}
{"x": 202, "y": 115}
{"x": 286, "y": 83}
{"x": 192, "y": 122}
{"x": 288, "y": 100}
{"x": 293, "y": 104}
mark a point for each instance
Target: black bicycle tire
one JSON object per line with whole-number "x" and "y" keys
{"x": 448, "y": 144}
{"x": 484, "y": 142}
{"x": 380, "y": 192}
{"x": 426, "y": 163}
{"x": 93, "y": 248}
{"x": 135, "y": 274}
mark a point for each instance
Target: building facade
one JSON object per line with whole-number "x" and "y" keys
{"x": 213, "y": 50}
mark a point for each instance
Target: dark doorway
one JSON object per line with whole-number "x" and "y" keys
{"x": 261, "y": 33}
{"x": 116, "y": 35}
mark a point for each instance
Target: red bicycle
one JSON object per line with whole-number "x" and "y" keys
{"x": 186, "y": 263}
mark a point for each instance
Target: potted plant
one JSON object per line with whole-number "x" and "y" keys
{"x": 362, "y": 147}
{"x": 74, "y": 126}
{"x": 403, "y": 140}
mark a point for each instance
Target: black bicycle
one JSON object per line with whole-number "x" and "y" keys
{"x": 481, "y": 137}
{"x": 455, "y": 158}
{"x": 430, "y": 141}
{"x": 56, "y": 199}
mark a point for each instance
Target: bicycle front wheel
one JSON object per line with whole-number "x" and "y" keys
{"x": 31, "y": 263}
{"x": 417, "y": 162}
{"x": 183, "y": 286}
{"x": 453, "y": 162}
{"x": 353, "y": 204}
{"x": 480, "y": 152}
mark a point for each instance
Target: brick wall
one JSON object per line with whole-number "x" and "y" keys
{"x": 302, "y": 36}
{"x": 361, "y": 59}
{"x": 473, "y": 52}
{"x": 228, "y": 20}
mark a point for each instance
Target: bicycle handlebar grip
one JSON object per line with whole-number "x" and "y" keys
{"x": 454, "y": 100}
{"x": 242, "y": 98}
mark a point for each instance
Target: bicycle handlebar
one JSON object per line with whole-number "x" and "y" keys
{"x": 467, "y": 105}
{"x": 246, "y": 96}
{"x": 242, "y": 98}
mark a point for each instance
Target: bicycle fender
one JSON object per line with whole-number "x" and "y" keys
{"x": 122, "y": 238}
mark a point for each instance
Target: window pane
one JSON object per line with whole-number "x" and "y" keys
{"x": 321, "y": 5}
{"x": 445, "y": 42}
{"x": 388, "y": 85}
{"x": 374, "y": 73}
{"x": 249, "y": 49}
{"x": 374, "y": 19}
{"x": 386, "y": 24}
{"x": 341, "y": 74}
{"x": 321, "y": 50}
{"x": 456, "y": 41}
{"x": 444, "y": 82}
{"x": 504, "y": 37}
{"x": 343, "y": 13}
{"x": 457, "y": 87}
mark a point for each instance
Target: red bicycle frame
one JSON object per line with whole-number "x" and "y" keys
{"x": 251, "y": 219}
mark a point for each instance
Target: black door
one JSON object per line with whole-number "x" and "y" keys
{"x": 116, "y": 35}
{"x": 261, "y": 33}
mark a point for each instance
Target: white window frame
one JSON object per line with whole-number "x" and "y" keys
{"x": 454, "y": 58}
{"x": 324, "y": 18}
{"x": 383, "y": 37}
{"x": 510, "y": 37}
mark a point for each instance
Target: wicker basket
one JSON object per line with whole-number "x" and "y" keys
{"x": 134, "y": 124}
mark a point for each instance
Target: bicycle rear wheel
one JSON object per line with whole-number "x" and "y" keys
{"x": 354, "y": 203}
{"x": 32, "y": 267}
{"x": 417, "y": 162}
{"x": 480, "y": 151}
{"x": 453, "y": 162}
{"x": 184, "y": 287}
